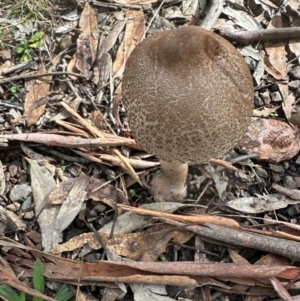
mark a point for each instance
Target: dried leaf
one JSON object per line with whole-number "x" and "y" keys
{"x": 261, "y": 204}
{"x": 135, "y": 28}
{"x": 42, "y": 184}
{"x": 36, "y": 98}
{"x": 275, "y": 61}
{"x": 87, "y": 42}
{"x": 280, "y": 289}
{"x": 288, "y": 105}
{"x": 265, "y": 112}
{"x": 72, "y": 203}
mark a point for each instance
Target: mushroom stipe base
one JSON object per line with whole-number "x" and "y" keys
{"x": 170, "y": 183}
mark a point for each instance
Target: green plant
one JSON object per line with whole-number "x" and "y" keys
{"x": 25, "y": 46}
{"x": 13, "y": 89}
{"x": 133, "y": 193}
{"x": 10, "y": 294}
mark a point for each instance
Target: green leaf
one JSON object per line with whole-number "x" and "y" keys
{"x": 22, "y": 297}
{"x": 20, "y": 49}
{"x": 13, "y": 89}
{"x": 8, "y": 293}
{"x": 38, "y": 276}
{"x": 36, "y": 37}
{"x": 27, "y": 52}
{"x": 24, "y": 58}
{"x": 23, "y": 42}
{"x": 35, "y": 45}
{"x": 133, "y": 193}
{"x": 63, "y": 293}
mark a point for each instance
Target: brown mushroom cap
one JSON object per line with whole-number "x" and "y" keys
{"x": 188, "y": 95}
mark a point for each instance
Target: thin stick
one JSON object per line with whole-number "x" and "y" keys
{"x": 247, "y": 37}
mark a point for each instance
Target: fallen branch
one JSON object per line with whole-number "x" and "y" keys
{"x": 246, "y": 37}
{"x": 243, "y": 238}
{"x": 69, "y": 141}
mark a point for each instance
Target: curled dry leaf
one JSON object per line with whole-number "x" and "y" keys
{"x": 271, "y": 69}
{"x": 10, "y": 219}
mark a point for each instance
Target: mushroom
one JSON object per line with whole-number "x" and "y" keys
{"x": 188, "y": 95}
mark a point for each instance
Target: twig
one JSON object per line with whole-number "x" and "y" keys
{"x": 247, "y": 37}
{"x": 29, "y": 76}
{"x": 242, "y": 238}
{"x": 151, "y": 21}
{"x": 117, "y": 5}
{"x": 224, "y": 164}
{"x": 212, "y": 15}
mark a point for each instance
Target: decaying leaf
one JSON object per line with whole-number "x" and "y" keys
{"x": 36, "y": 98}
{"x": 275, "y": 60}
{"x": 72, "y": 203}
{"x": 135, "y": 28}
{"x": 288, "y": 106}
{"x": 261, "y": 204}
{"x": 264, "y": 112}
{"x": 135, "y": 246}
{"x": 87, "y": 42}
{"x": 42, "y": 184}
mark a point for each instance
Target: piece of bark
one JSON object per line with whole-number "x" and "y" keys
{"x": 271, "y": 140}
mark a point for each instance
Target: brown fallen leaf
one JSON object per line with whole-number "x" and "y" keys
{"x": 135, "y": 246}
{"x": 271, "y": 69}
{"x": 87, "y": 42}
{"x": 36, "y": 98}
{"x": 280, "y": 289}
{"x": 107, "y": 194}
{"x": 42, "y": 183}
{"x": 72, "y": 203}
{"x": 275, "y": 61}
{"x": 135, "y": 27}
{"x": 288, "y": 106}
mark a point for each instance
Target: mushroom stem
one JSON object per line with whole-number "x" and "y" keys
{"x": 171, "y": 182}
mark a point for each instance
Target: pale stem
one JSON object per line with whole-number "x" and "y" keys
{"x": 170, "y": 183}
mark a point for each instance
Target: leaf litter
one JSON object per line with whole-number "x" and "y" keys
{"x": 70, "y": 142}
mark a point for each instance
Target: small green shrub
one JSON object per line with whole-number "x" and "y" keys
{"x": 25, "y": 47}
{"x": 63, "y": 294}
